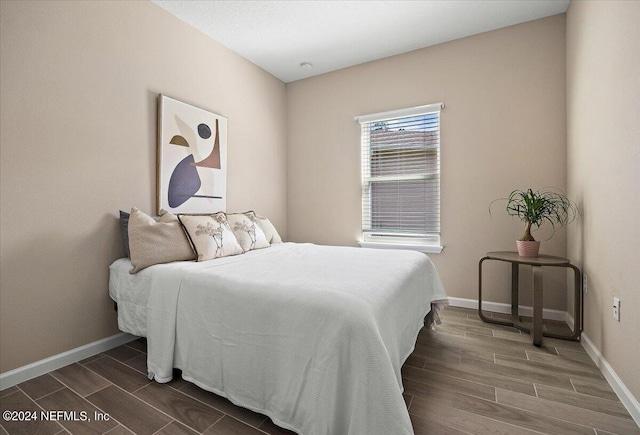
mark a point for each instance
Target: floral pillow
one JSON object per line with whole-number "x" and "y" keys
{"x": 247, "y": 232}
{"x": 266, "y": 226}
{"x": 210, "y": 236}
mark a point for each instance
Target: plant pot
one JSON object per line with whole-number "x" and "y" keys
{"x": 528, "y": 248}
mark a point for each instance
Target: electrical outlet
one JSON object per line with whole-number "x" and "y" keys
{"x": 616, "y": 309}
{"x": 584, "y": 283}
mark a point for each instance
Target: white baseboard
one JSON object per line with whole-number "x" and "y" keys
{"x": 627, "y": 399}
{"x": 38, "y": 368}
{"x": 500, "y": 307}
{"x": 569, "y": 320}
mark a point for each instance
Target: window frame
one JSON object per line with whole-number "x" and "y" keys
{"x": 430, "y": 243}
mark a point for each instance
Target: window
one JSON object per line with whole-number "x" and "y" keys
{"x": 401, "y": 178}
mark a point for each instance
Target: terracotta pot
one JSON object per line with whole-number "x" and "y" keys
{"x": 528, "y": 248}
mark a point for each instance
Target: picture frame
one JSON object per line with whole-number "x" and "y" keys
{"x": 191, "y": 158}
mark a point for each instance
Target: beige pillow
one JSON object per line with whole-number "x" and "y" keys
{"x": 210, "y": 235}
{"x": 266, "y": 226}
{"x": 247, "y": 232}
{"x": 152, "y": 242}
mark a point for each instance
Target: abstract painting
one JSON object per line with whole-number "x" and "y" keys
{"x": 192, "y": 158}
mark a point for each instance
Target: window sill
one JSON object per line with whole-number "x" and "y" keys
{"x": 429, "y": 249}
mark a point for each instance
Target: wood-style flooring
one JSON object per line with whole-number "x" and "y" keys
{"x": 467, "y": 377}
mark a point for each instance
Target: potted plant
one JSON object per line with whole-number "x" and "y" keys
{"x": 535, "y": 208}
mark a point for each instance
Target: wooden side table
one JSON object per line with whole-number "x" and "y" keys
{"x": 536, "y": 264}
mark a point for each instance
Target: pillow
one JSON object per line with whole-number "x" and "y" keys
{"x": 210, "y": 236}
{"x": 266, "y": 226}
{"x": 152, "y": 242}
{"x": 247, "y": 232}
{"x": 124, "y": 231}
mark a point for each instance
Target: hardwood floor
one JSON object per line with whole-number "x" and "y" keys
{"x": 467, "y": 377}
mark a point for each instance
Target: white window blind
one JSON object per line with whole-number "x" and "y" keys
{"x": 401, "y": 176}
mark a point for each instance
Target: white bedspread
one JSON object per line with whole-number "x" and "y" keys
{"x": 312, "y": 336}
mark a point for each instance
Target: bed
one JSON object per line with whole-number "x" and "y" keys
{"x": 312, "y": 336}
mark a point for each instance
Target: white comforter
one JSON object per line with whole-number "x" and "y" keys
{"x": 312, "y": 336}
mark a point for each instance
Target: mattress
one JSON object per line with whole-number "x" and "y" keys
{"x": 131, "y": 292}
{"x": 312, "y": 336}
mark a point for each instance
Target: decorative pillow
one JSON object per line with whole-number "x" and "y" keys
{"x": 247, "y": 232}
{"x": 266, "y": 226}
{"x": 210, "y": 236}
{"x": 152, "y": 242}
{"x": 124, "y": 231}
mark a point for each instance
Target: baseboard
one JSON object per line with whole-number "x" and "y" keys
{"x": 627, "y": 399}
{"x": 569, "y": 320}
{"x": 38, "y": 368}
{"x": 500, "y": 307}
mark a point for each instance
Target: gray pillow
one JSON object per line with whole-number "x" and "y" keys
{"x": 124, "y": 231}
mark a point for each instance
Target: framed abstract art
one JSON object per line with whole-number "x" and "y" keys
{"x": 192, "y": 158}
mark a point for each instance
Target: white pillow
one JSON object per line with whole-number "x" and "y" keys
{"x": 266, "y": 226}
{"x": 152, "y": 242}
{"x": 210, "y": 236}
{"x": 247, "y": 232}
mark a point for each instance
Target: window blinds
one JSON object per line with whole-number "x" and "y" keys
{"x": 401, "y": 175}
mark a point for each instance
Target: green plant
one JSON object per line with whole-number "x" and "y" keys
{"x": 536, "y": 208}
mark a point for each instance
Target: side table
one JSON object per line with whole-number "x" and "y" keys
{"x": 536, "y": 264}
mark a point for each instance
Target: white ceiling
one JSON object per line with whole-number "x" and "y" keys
{"x": 279, "y": 35}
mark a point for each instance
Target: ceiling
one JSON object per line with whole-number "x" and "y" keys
{"x": 280, "y": 35}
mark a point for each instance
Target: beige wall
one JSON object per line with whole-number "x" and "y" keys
{"x": 603, "y": 131}
{"x": 79, "y": 82}
{"x": 503, "y": 128}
